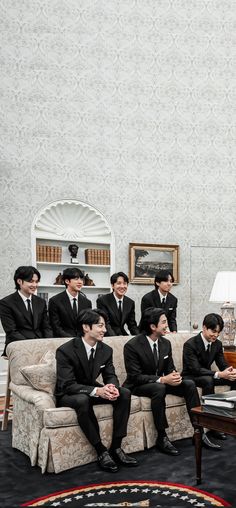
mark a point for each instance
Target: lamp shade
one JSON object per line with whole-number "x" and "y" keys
{"x": 224, "y": 287}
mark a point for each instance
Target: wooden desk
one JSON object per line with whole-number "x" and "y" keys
{"x": 210, "y": 421}
{"x": 230, "y": 356}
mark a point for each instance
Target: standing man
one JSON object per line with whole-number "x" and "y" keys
{"x": 200, "y": 352}
{"x": 151, "y": 373}
{"x": 23, "y": 314}
{"x": 161, "y": 298}
{"x": 65, "y": 307}
{"x": 120, "y": 309}
{"x": 79, "y": 362}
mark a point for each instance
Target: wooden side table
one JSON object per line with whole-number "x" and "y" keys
{"x": 230, "y": 356}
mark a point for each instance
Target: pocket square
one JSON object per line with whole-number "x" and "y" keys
{"x": 165, "y": 357}
{"x": 170, "y": 308}
{"x": 102, "y": 366}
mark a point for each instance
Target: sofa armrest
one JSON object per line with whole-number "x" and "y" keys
{"x": 40, "y": 399}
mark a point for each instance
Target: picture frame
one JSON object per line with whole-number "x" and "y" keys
{"x": 145, "y": 259}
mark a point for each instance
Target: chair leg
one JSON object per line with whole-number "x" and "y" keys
{"x": 7, "y": 409}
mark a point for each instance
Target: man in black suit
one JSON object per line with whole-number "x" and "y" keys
{"x": 161, "y": 298}
{"x": 120, "y": 309}
{"x": 200, "y": 352}
{"x": 151, "y": 373}
{"x": 79, "y": 362}
{"x": 65, "y": 307}
{"x": 24, "y": 315}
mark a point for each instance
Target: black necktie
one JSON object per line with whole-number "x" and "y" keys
{"x": 91, "y": 361}
{"x": 155, "y": 356}
{"x": 163, "y": 303}
{"x": 29, "y": 310}
{"x": 120, "y": 310}
{"x": 208, "y": 350}
{"x": 74, "y": 308}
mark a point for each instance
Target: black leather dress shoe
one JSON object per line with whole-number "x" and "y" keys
{"x": 209, "y": 444}
{"x": 165, "y": 446}
{"x": 106, "y": 462}
{"x": 217, "y": 434}
{"x": 122, "y": 458}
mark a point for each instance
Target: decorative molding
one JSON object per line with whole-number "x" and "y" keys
{"x": 71, "y": 220}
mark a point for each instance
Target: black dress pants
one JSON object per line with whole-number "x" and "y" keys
{"x": 157, "y": 393}
{"x": 83, "y": 405}
{"x": 208, "y": 383}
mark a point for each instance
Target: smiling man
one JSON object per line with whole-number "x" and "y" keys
{"x": 120, "y": 309}
{"x": 200, "y": 352}
{"x": 161, "y": 297}
{"x": 79, "y": 362}
{"x": 151, "y": 373}
{"x": 64, "y": 308}
{"x": 23, "y": 314}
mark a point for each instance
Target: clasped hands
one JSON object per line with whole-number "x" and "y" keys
{"x": 173, "y": 379}
{"x": 109, "y": 392}
{"x": 229, "y": 373}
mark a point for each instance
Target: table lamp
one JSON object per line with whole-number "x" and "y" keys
{"x": 224, "y": 290}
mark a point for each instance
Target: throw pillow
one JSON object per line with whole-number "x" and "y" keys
{"x": 42, "y": 376}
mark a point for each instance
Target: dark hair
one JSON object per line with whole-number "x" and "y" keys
{"x": 163, "y": 275}
{"x": 213, "y": 320}
{"x": 150, "y": 316}
{"x": 72, "y": 273}
{"x": 90, "y": 317}
{"x": 115, "y": 276}
{"x": 25, "y": 273}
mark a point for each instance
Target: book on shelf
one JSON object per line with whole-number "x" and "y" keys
{"x": 44, "y": 296}
{"x": 219, "y": 411}
{"x": 48, "y": 253}
{"x": 224, "y": 399}
{"x": 97, "y": 256}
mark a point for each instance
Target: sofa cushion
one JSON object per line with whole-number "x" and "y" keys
{"x": 42, "y": 376}
{"x": 66, "y": 416}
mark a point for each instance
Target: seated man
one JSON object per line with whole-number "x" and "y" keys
{"x": 161, "y": 298}
{"x": 151, "y": 373}
{"x": 23, "y": 314}
{"x": 79, "y": 363}
{"x": 200, "y": 352}
{"x": 120, "y": 309}
{"x": 64, "y": 308}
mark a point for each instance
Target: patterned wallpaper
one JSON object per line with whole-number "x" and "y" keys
{"x": 128, "y": 105}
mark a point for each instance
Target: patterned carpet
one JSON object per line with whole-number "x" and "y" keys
{"x": 158, "y": 481}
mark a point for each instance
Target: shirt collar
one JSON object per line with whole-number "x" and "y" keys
{"x": 88, "y": 347}
{"x": 71, "y": 297}
{"x": 162, "y": 296}
{"x": 118, "y": 299}
{"x": 24, "y": 298}
{"x": 205, "y": 342}
{"x": 152, "y": 342}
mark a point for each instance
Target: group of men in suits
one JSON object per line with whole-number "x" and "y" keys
{"x": 148, "y": 356}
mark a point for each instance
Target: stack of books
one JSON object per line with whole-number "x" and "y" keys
{"x": 97, "y": 256}
{"x": 48, "y": 254}
{"x": 223, "y": 404}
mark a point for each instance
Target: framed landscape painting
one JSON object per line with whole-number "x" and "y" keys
{"x": 145, "y": 259}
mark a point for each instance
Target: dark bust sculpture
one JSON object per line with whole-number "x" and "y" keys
{"x": 73, "y": 249}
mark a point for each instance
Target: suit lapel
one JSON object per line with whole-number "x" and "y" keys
{"x": 21, "y": 306}
{"x": 67, "y": 304}
{"x": 98, "y": 360}
{"x": 114, "y": 307}
{"x": 125, "y": 309}
{"x": 156, "y": 299}
{"x": 82, "y": 356}
{"x": 146, "y": 349}
{"x": 35, "y": 311}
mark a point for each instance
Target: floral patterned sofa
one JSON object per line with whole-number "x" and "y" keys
{"x": 51, "y": 436}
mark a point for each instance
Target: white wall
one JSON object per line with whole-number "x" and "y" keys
{"x": 128, "y": 106}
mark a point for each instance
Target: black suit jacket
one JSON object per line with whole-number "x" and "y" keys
{"x": 73, "y": 375}
{"x": 17, "y": 323}
{"x": 108, "y": 304}
{"x": 152, "y": 299}
{"x": 195, "y": 361}
{"x": 62, "y": 319}
{"x": 139, "y": 361}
